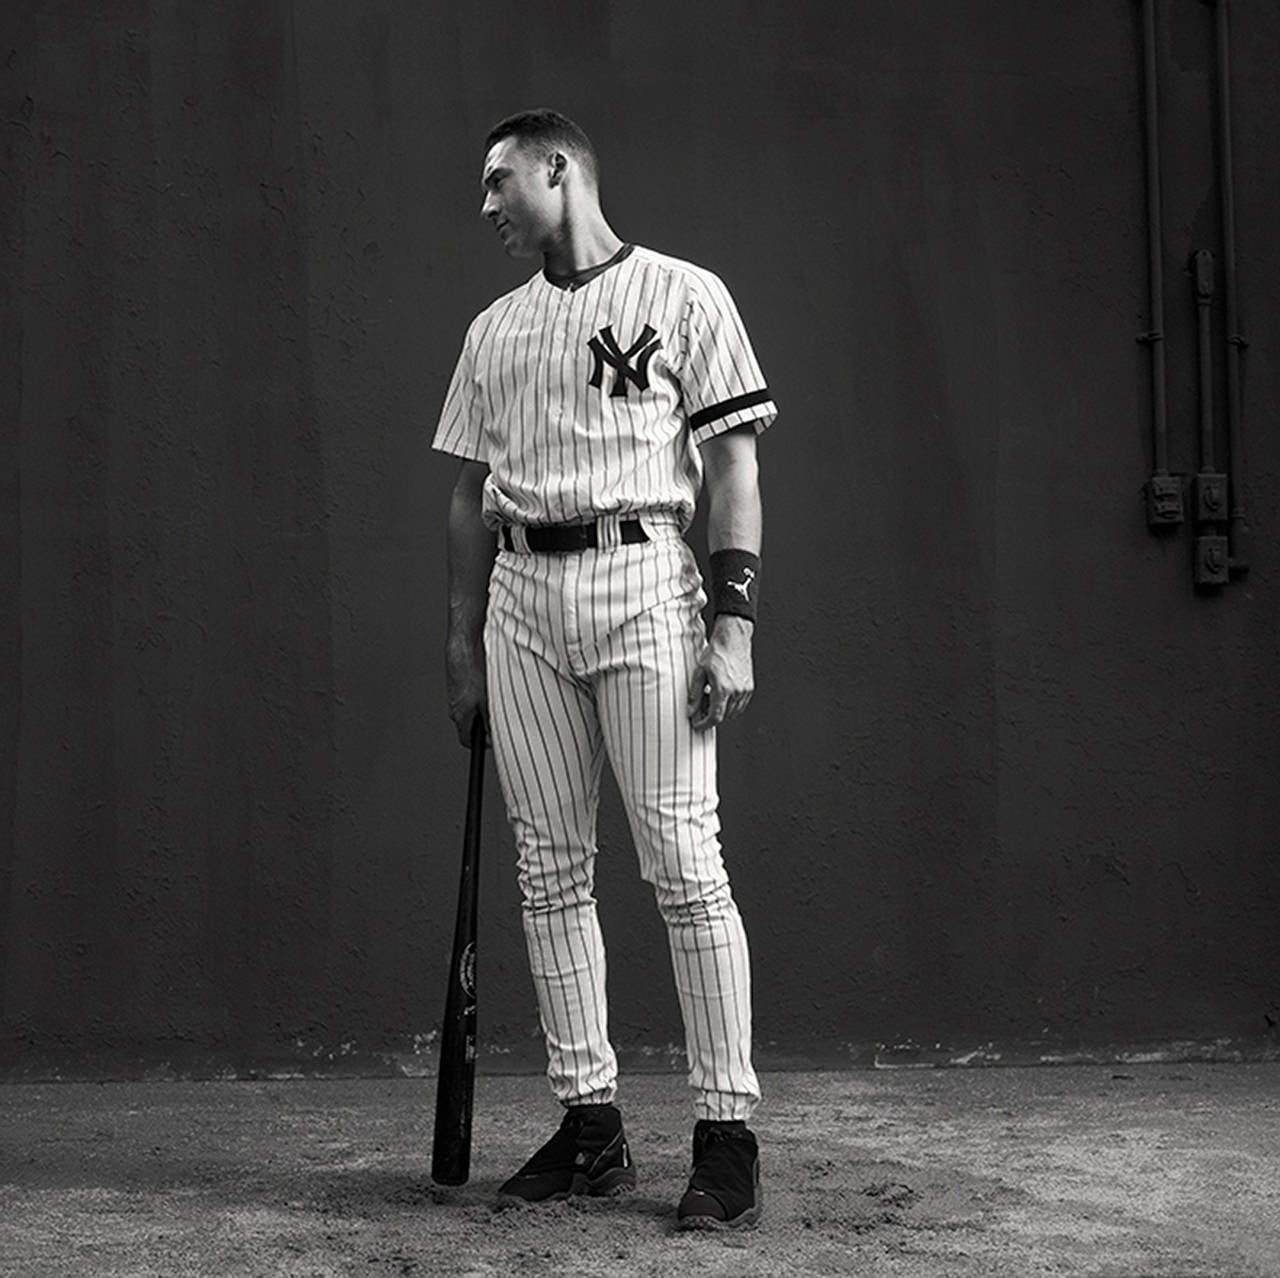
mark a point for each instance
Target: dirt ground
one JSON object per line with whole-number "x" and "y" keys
{"x": 1169, "y": 1170}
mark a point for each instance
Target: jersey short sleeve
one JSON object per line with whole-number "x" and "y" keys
{"x": 460, "y": 429}
{"x": 721, "y": 380}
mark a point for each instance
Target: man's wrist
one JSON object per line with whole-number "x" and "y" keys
{"x": 732, "y": 626}
{"x": 735, "y": 581}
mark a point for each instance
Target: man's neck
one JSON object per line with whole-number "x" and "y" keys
{"x": 583, "y": 244}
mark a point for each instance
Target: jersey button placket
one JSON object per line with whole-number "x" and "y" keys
{"x": 566, "y": 318}
{"x": 573, "y": 345}
{"x": 555, "y": 390}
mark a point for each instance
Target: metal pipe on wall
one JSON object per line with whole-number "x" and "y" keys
{"x": 1209, "y": 487}
{"x": 1164, "y": 491}
{"x": 1238, "y": 524}
{"x": 1202, "y": 273}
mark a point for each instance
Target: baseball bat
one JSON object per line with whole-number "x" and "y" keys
{"x": 455, "y": 1084}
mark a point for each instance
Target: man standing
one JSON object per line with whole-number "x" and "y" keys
{"x": 588, "y": 405}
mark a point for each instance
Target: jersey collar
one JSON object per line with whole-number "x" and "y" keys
{"x": 575, "y": 280}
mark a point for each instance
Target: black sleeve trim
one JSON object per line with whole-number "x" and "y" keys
{"x": 713, "y": 414}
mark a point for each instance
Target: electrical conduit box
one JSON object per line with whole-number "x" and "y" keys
{"x": 1212, "y": 565}
{"x": 1164, "y": 501}
{"x": 1209, "y": 491}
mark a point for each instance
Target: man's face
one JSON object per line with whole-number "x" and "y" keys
{"x": 519, "y": 198}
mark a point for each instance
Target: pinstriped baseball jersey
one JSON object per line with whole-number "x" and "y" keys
{"x": 591, "y": 401}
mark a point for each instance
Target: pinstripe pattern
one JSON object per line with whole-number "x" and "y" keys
{"x": 560, "y": 450}
{"x": 590, "y": 655}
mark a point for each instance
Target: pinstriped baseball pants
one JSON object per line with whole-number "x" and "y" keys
{"x": 590, "y": 656}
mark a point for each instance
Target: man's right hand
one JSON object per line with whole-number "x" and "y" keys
{"x": 468, "y": 694}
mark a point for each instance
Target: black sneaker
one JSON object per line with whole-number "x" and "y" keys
{"x": 724, "y": 1190}
{"x": 588, "y": 1155}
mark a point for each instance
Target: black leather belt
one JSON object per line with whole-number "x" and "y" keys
{"x": 564, "y": 538}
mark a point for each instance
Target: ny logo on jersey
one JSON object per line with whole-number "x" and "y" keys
{"x": 605, "y": 349}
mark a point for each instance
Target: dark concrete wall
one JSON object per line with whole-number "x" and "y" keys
{"x": 1007, "y": 779}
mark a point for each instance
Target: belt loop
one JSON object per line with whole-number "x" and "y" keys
{"x": 514, "y": 538}
{"x": 659, "y": 525}
{"x": 608, "y": 532}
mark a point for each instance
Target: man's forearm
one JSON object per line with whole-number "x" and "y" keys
{"x": 724, "y": 680}
{"x": 734, "y": 513}
{"x": 471, "y": 554}
{"x": 734, "y": 522}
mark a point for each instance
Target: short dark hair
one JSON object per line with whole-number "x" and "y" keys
{"x": 546, "y": 131}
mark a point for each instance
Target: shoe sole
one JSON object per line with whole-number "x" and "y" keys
{"x": 610, "y": 1184}
{"x": 748, "y": 1220}
{"x": 619, "y": 1180}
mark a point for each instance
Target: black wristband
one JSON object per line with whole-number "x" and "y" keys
{"x": 735, "y": 582}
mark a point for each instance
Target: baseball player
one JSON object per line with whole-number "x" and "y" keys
{"x": 589, "y": 405}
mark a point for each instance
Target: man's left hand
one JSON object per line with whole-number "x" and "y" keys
{"x": 724, "y": 680}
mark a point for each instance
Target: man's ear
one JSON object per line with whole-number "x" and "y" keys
{"x": 559, "y": 165}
